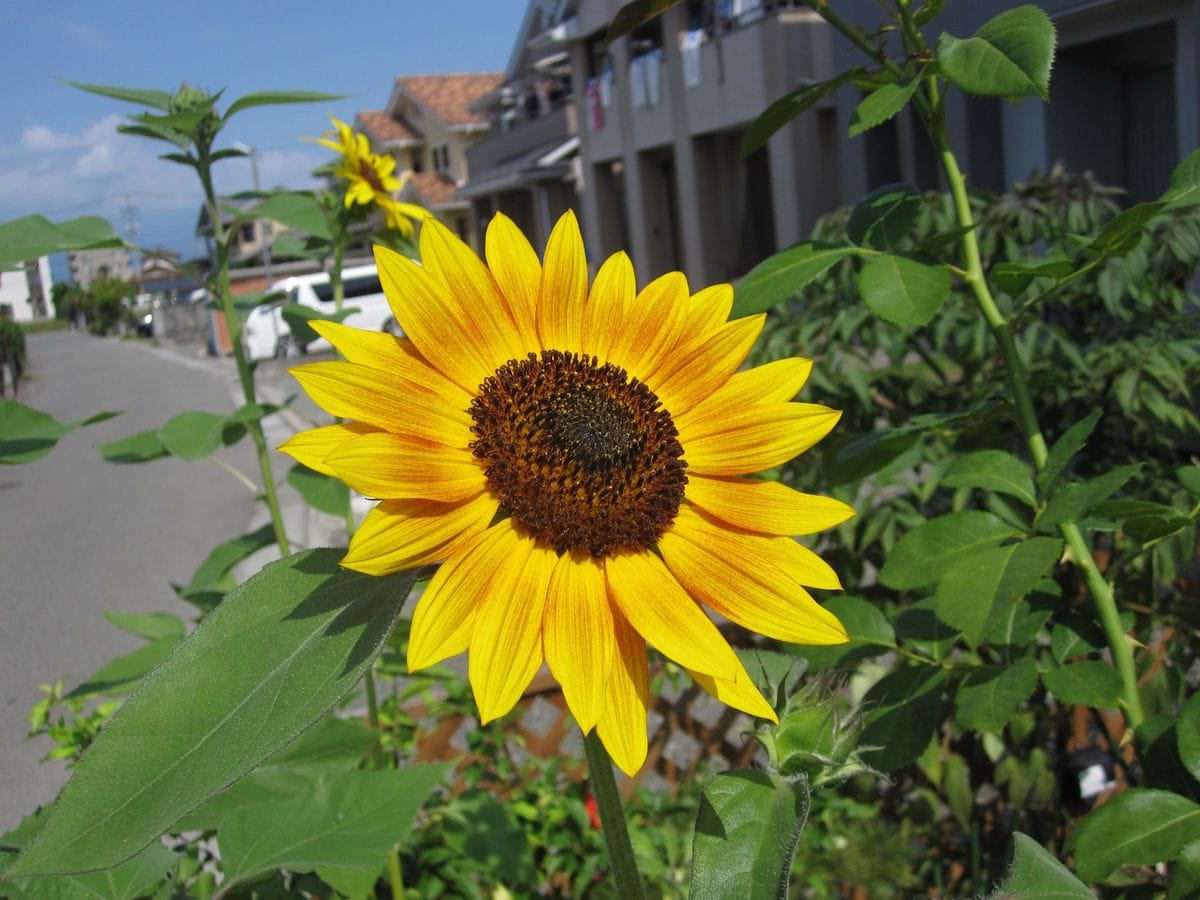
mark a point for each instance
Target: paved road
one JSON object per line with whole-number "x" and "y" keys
{"x": 79, "y": 536}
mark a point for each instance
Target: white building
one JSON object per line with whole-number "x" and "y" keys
{"x": 25, "y": 293}
{"x": 108, "y": 262}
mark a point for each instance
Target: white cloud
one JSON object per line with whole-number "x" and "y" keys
{"x": 85, "y": 35}
{"x": 39, "y": 137}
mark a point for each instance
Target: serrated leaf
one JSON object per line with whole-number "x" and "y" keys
{"x": 746, "y": 832}
{"x": 993, "y": 470}
{"x": 144, "y": 446}
{"x": 905, "y": 288}
{"x": 262, "y": 667}
{"x": 278, "y": 98}
{"x": 193, "y": 434}
{"x": 1185, "y": 874}
{"x": 1187, "y": 730}
{"x": 1064, "y": 449}
{"x": 881, "y": 104}
{"x": 906, "y": 706}
{"x": 884, "y": 217}
{"x": 1124, "y": 231}
{"x": 989, "y": 696}
{"x": 978, "y": 589}
{"x": 28, "y": 434}
{"x": 1036, "y": 875}
{"x": 1088, "y": 683}
{"x": 922, "y": 556}
{"x": 1022, "y": 624}
{"x": 1138, "y": 827}
{"x": 791, "y": 105}
{"x": 863, "y": 621}
{"x": 1014, "y": 277}
{"x": 1010, "y": 56}
{"x": 782, "y": 276}
{"x": 29, "y": 237}
{"x": 349, "y": 820}
{"x": 1184, "y": 187}
{"x": 1072, "y": 501}
{"x": 321, "y": 492}
{"x": 295, "y": 209}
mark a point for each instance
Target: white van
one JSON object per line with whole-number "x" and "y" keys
{"x": 267, "y": 334}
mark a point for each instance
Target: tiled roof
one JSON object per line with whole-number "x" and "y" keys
{"x": 431, "y": 189}
{"x": 449, "y": 97}
{"x": 386, "y": 129}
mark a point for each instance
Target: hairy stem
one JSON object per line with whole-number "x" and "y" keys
{"x": 625, "y": 874}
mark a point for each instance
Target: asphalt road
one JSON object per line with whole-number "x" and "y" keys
{"x": 79, "y": 535}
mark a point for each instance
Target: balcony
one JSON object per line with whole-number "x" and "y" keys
{"x": 522, "y": 135}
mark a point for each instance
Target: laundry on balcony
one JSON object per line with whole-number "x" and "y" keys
{"x": 689, "y": 55}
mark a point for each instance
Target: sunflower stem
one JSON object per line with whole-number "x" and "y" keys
{"x": 612, "y": 820}
{"x": 395, "y": 879}
{"x": 376, "y": 751}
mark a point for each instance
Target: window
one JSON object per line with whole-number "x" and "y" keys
{"x": 441, "y": 157}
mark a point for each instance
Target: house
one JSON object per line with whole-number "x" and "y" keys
{"x": 252, "y": 241}
{"x": 89, "y": 265}
{"x": 525, "y": 165}
{"x": 25, "y": 292}
{"x": 428, "y": 125}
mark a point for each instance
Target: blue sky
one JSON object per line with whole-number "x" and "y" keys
{"x": 60, "y": 154}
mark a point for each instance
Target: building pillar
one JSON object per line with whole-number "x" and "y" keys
{"x": 1187, "y": 77}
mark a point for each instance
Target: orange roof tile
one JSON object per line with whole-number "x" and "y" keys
{"x": 386, "y": 129}
{"x": 449, "y": 96}
{"x": 432, "y": 189}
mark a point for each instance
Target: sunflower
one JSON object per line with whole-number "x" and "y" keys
{"x": 576, "y": 460}
{"x": 370, "y": 177}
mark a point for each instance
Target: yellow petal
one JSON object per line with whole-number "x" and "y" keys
{"x": 693, "y": 371}
{"x": 309, "y": 448}
{"x": 515, "y": 266}
{"x": 440, "y": 325}
{"x": 738, "y": 441}
{"x": 445, "y": 615}
{"x": 389, "y": 466}
{"x": 506, "y": 643}
{"x": 655, "y": 604}
{"x": 709, "y": 308}
{"x": 468, "y": 280}
{"x": 402, "y": 534}
{"x": 651, "y": 326}
{"x": 398, "y": 356}
{"x": 739, "y": 692}
{"x": 622, "y": 727}
{"x": 611, "y": 295}
{"x": 564, "y": 287}
{"x": 385, "y": 400}
{"x": 777, "y": 381}
{"x": 765, "y": 506}
{"x": 578, "y": 635}
{"x": 751, "y": 579}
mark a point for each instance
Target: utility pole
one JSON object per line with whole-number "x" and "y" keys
{"x": 131, "y": 230}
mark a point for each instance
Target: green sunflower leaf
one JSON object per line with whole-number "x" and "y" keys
{"x": 144, "y": 446}
{"x": 193, "y": 434}
{"x": 295, "y": 209}
{"x": 141, "y": 96}
{"x": 266, "y": 664}
{"x": 1139, "y": 827}
{"x": 278, "y": 98}
{"x": 328, "y": 495}
{"x": 29, "y": 434}
{"x": 209, "y": 575}
{"x": 905, "y": 288}
{"x": 139, "y": 877}
{"x": 1036, "y": 875}
{"x": 746, "y": 833}
{"x": 32, "y": 236}
{"x": 1009, "y": 56}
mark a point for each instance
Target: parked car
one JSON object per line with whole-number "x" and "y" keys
{"x": 267, "y": 334}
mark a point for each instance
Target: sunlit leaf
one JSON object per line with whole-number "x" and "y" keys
{"x": 1036, "y": 875}
{"x": 883, "y": 218}
{"x": 905, "y": 288}
{"x": 278, "y": 98}
{"x": 32, "y": 236}
{"x": 295, "y": 209}
{"x": 141, "y": 96}
{"x": 321, "y": 492}
{"x": 791, "y": 105}
{"x": 882, "y": 104}
{"x": 27, "y": 434}
{"x": 137, "y": 448}
{"x": 782, "y": 276}
{"x": 922, "y": 555}
{"x": 193, "y": 434}
{"x": 1074, "y": 500}
{"x": 993, "y": 470}
{"x": 1184, "y": 189}
{"x": 1088, "y": 683}
{"x": 1138, "y": 827}
{"x": 209, "y": 576}
{"x": 1010, "y": 56}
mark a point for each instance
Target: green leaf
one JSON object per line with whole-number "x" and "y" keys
{"x": 781, "y": 277}
{"x": 32, "y": 236}
{"x": 864, "y": 621}
{"x": 144, "y": 446}
{"x": 993, "y": 470}
{"x": 906, "y": 706}
{"x": 905, "y": 288}
{"x": 956, "y": 785}
{"x": 884, "y": 217}
{"x": 1072, "y": 501}
{"x": 1139, "y": 827}
{"x": 746, "y": 833}
{"x": 193, "y": 434}
{"x": 1187, "y": 730}
{"x": 1014, "y": 277}
{"x": 854, "y": 457}
{"x": 1010, "y": 56}
{"x": 989, "y": 696}
{"x": 1022, "y": 624}
{"x": 349, "y": 820}
{"x": 1189, "y": 477}
{"x": 1088, "y": 683}
{"x": 1184, "y": 188}
{"x": 1124, "y": 231}
{"x": 208, "y": 577}
{"x": 635, "y": 13}
{"x": 297, "y": 316}
{"x": 150, "y": 626}
{"x": 28, "y": 434}
{"x": 141, "y": 96}
{"x": 321, "y": 492}
{"x": 119, "y": 676}
{"x": 262, "y": 667}
{"x": 138, "y": 877}
{"x": 921, "y": 556}
{"x": 295, "y": 209}
{"x": 881, "y": 104}
{"x": 353, "y": 884}
{"x": 977, "y": 590}
{"x": 1036, "y": 875}
{"x": 479, "y": 827}
{"x": 1064, "y": 450}
{"x": 278, "y": 98}
{"x": 1185, "y": 874}
{"x": 791, "y": 105}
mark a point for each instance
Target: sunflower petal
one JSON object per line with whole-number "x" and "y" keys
{"x": 651, "y": 326}
{"x": 309, "y": 448}
{"x": 751, "y": 579}
{"x": 612, "y": 294}
{"x": 564, "y": 286}
{"x": 695, "y": 370}
{"x": 655, "y": 604}
{"x": 506, "y": 644}
{"x": 738, "y": 441}
{"x": 402, "y": 534}
{"x": 739, "y": 692}
{"x": 515, "y": 266}
{"x": 767, "y": 507}
{"x": 444, "y": 618}
{"x": 775, "y": 382}
{"x": 578, "y": 635}
{"x": 622, "y": 727}
{"x": 397, "y": 466}
{"x": 709, "y": 308}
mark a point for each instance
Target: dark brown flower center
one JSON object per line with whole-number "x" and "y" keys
{"x": 367, "y": 172}
{"x": 581, "y": 455}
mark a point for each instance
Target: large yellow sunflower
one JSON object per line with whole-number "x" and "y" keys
{"x": 575, "y": 459}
